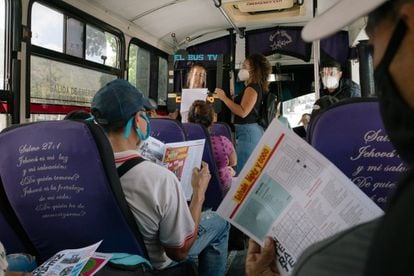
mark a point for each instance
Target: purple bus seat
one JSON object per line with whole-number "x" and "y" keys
{"x": 214, "y": 193}
{"x": 167, "y": 130}
{"x": 12, "y": 235}
{"x": 61, "y": 181}
{"x": 223, "y": 129}
{"x": 352, "y": 136}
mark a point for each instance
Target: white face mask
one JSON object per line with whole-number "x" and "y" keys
{"x": 243, "y": 75}
{"x": 330, "y": 82}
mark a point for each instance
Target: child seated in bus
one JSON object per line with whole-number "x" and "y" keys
{"x": 201, "y": 112}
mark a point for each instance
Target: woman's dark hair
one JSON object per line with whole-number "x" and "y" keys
{"x": 201, "y": 112}
{"x": 77, "y": 115}
{"x": 260, "y": 70}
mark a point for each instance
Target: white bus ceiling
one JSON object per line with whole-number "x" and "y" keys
{"x": 193, "y": 21}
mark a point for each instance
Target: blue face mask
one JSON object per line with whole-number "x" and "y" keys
{"x": 139, "y": 132}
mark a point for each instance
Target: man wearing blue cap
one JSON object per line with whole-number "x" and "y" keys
{"x": 172, "y": 231}
{"x": 385, "y": 246}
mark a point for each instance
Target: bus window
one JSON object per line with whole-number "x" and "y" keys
{"x": 139, "y": 68}
{"x": 162, "y": 80}
{"x": 47, "y": 28}
{"x": 74, "y": 44}
{"x": 55, "y": 82}
{"x": 295, "y": 108}
{"x": 101, "y": 47}
{"x": 89, "y": 57}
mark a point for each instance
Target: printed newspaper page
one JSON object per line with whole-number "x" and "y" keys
{"x": 95, "y": 263}
{"x": 290, "y": 192}
{"x": 188, "y": 96}
{"x": 67, "y": 262}
{"x": 180, "y": 158}
{"x": 152, "y": 149}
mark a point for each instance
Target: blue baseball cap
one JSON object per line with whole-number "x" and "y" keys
{"x": 118, "y": 101}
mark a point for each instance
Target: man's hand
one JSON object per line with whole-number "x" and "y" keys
{"x": 261, "y": 261}
{"x": 200, "y": 179}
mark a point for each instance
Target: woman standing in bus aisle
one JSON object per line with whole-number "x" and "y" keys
{"x": 255, "y": 71}
{"x": 201, "y": 112}
{"x": 197, "y": 78}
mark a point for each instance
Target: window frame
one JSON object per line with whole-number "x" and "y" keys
{"x": 153, "y": 75}
{"x": 10, "y": 93}
{"x": 69, "y": 11}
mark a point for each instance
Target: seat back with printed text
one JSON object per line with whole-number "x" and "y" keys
{"x": 61, "y": 182}
{"x": 352, "y": 136}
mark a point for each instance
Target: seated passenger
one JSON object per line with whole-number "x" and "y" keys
{"x": 334, "y": 84}
{"x": 172, "y": 230}
{"x": 201, "y": 112}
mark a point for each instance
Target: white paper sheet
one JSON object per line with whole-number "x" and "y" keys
{"x": 188, "y": 96}
{"x": 180, "y": 158}
{"x": 290, "y": 192}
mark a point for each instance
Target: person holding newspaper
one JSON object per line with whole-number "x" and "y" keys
{"x": 172, "y": 230}
{"x": 388, "y": 242}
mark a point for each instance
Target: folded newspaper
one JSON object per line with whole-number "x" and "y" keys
{"x": 290, "y": 192}
{"x": 180, "y": 158}
{"x": 72, "y": 262}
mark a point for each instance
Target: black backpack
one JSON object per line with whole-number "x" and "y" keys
{"x": 268, "y": 109}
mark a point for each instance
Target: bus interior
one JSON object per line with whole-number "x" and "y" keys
{"x": 55, "y": 55}
{"x": 47, "y": 45}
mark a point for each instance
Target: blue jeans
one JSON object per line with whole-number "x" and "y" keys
{"x": 247, "y": 138}
{"x": 210, "y": 248}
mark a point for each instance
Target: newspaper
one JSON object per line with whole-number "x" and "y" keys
{"x": 95, "y": 263}
{"x": 68, "y": 262}
{"x": 180, "y": 158}
{"x": 290, "y": 192}
{"x": 188, "y": 96}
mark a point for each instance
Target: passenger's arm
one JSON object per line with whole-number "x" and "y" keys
{"x": 261, "y": 261}
{"x": 247, "y": 103}
{"x": 233, "y": 158}
{"x": 199, "y": 182}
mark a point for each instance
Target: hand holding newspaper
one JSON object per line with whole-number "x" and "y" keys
{"x": 180, "y": 158}
{"x": 290, "y": 192}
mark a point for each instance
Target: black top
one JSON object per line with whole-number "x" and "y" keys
{"x": 252, "y": 116}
